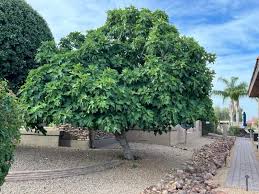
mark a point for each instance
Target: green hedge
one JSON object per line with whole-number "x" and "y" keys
{"x": 10, "y": 122}
{"x": 22, "y": 32}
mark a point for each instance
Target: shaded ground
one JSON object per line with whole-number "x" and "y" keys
{"x": 130, "y": 177}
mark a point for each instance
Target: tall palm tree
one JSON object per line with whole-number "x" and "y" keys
{"x": 233, "y": 90}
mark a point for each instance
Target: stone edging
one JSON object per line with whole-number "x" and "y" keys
{"x": 197, "y": 175}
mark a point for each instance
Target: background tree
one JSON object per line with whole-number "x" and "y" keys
{"x": 134, "y": 72}
{"x": 10, "y": 122}
{"x": 22, "y": 31}
{"x": 222, "y": 114}
{"x": 72, "y": 41}
{"x": 233, "y": 90}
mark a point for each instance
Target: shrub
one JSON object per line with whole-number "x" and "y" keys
{"x": 10, "y": 122}
{"x": 22, "y": 31}
{"x": 235, "y": 131}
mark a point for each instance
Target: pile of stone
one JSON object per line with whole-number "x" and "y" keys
{"x": 73, "y": 133}
{"x": 77, "y": 133}
{"x": 198, "y": 173}
{"x": 102, "y": 135}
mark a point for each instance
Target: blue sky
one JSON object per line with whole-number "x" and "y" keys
{"x": 228, "y": 28}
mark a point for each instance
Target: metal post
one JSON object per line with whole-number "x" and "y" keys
{"x": 247, "y": 182}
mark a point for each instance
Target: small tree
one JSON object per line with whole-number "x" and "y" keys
{"x": 10, "y": 122}
{"x": 22, "y": 31}
{"x": 136, "y": 71}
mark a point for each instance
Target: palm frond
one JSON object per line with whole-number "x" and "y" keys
{"x": 224, "y": 80}
{"x": 220, "y": 93}
{"x": 232, "y": 90}
{"x": 233, "y": 81}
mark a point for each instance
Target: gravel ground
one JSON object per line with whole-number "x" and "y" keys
{"x": 130, "y": 177}
{"x": 29, "y": 158}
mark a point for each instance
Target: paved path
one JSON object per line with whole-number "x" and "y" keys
{"x": 243, "y": 163}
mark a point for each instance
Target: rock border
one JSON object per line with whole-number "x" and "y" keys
{"x": 196, "y": 177}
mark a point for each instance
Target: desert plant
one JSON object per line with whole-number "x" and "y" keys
{"x": 21, "y": 34}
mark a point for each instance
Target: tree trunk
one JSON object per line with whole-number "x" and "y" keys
{"x": 91, "y": 138}
{"x": 185, "y": 137}
{"x": 121, "y": 138}
{"x": 231, "y": 111}
{"x": 237, "y": 112}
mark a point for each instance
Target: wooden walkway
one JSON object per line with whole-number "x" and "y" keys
{"x": 243, "y": 163}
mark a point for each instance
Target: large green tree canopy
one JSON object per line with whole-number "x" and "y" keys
{"x": 22, "y": 31}
{"x": 10, "y": 122}
{"x": 136, "y": 71}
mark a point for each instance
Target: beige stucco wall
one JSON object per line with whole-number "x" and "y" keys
{"x": 148, "y": 137}
{"x": 29, "y": 138}
{"x": 37, "y": 139}
{"x": 174, "y": 137}
{"x": 178, "y": 135}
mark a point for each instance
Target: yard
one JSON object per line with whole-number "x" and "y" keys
{"x": 153, "y": 162}
{"x": 130, "y": 76}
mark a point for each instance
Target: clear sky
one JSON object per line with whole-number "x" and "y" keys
{"x": 228, "y": 28}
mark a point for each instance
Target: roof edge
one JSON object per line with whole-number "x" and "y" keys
{"x": 253, "y": 78}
